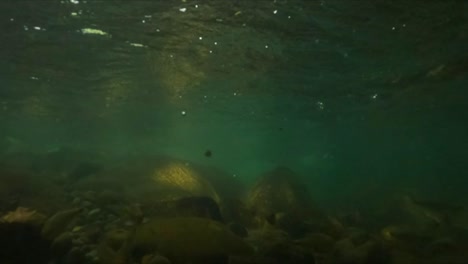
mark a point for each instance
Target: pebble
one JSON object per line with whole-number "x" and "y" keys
{"x": 86, "y": 204}
{"x": 90, "y": 195}
{"x": 76, "y": 201}
{"x": 92, "y": 254}
{"x": 94, "y": 211}
{"x": 78, "y": 241}
{"x": 74, "y": 256}
{"x": 110, "y": 217}
{"x": 129, "y": 223}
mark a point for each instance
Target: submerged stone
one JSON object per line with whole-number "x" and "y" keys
{"x": 194, "y": 239}
{"x": 58, "y": 223}
{"x": 279, "y": 190}
{"x": 155, "y": 259}
{"x": 238, "y": 229}
{"x": 281, "y": 198}
{"x": 196, "y": 206}
{"x": 24, "y": 215}
{"x": 180, "y": 180}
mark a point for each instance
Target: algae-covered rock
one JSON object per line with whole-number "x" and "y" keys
{"x": 238, "y": 229}
{"x": 196, "y": 206}
{"x": 155, "y": 259}
{"x": 281, "y": 198}
{"x": 265, "y": 238}
{"x": 116, "y": 238}
{"x": 58, "y": 223}
{"x": 279, "y": 190}
{"x": 113, "y": 249}
{"x": 275, "y": 244}
{"x": 406, "y": 237}
{"x": 25, "y": 216}
{"x": 20, "y": 237}
{"x": 317, "y": 242}
{"x": 62, "y": 244}
{"x": 188, "y": 239}
{"x": 368, "y": 252}
{"x": 148, "y": 180}
{"x": 180, "y": 180}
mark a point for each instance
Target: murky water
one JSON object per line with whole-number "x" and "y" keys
{"x": 342, "y": 91}
{"x": 363, "y": 98}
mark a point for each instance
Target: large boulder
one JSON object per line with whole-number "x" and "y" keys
{"x": 152, "y": 179}
{"x": 281, "y": 198}
{"x": 195, "y": 206}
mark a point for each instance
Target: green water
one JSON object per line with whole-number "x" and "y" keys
{"x": 361, "y": 97}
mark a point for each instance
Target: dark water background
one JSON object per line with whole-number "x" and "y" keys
{"x": 362, "y": 97}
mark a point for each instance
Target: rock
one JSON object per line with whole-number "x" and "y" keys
{"x": 345, "y": 251}
{"x": 267, "y": 237}
{"x": 76, "y": 229}
{"x": 195, "y": 206}
{"x": 62, "y": 244}
{"x": 114, "y": 247}
{"x": 129, "y": 223}
{"x": 76, "y": 201}
{"x": 188, "y": 239}
{"x": 275, "y": 244}
{"x": 403, "y": 257}
{"x": 317, "y": 242}
{"x": 178, "y": 180}
{"x": 133, "y": 213}
{"x": 368, "y": 252}
{"x": 252, "y": 260}
{"x": 432, "y": 214}
{"x": 94, "y": 211}
{"x": 155, "y": 259}
{"x": 357, "y": 235}
{"x": 108, "y": 197}
{"x": 86, "y": 204}
{"x": 25, "y": 216}
{"x": 75, "y": 256}
{"x": 79, "y": 241}
{"x": 92, "y": 256}
{"x": 90, "y": 196}
{"x": 116, "y": 239}
{"x": 58, "y": 223}
{"x": 281, "y": 198}
{"x": 406, "y": 237}
{"x": 238, "y": 229}
{"x": 445, "y": 246}
{"x": 91, "y": 233}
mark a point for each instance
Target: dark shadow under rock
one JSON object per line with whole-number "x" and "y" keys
{"x": 196, "y": 206}
{"x": 22, "y": 243}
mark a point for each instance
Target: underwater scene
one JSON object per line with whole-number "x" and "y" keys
{"x": 233, "y": 132}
